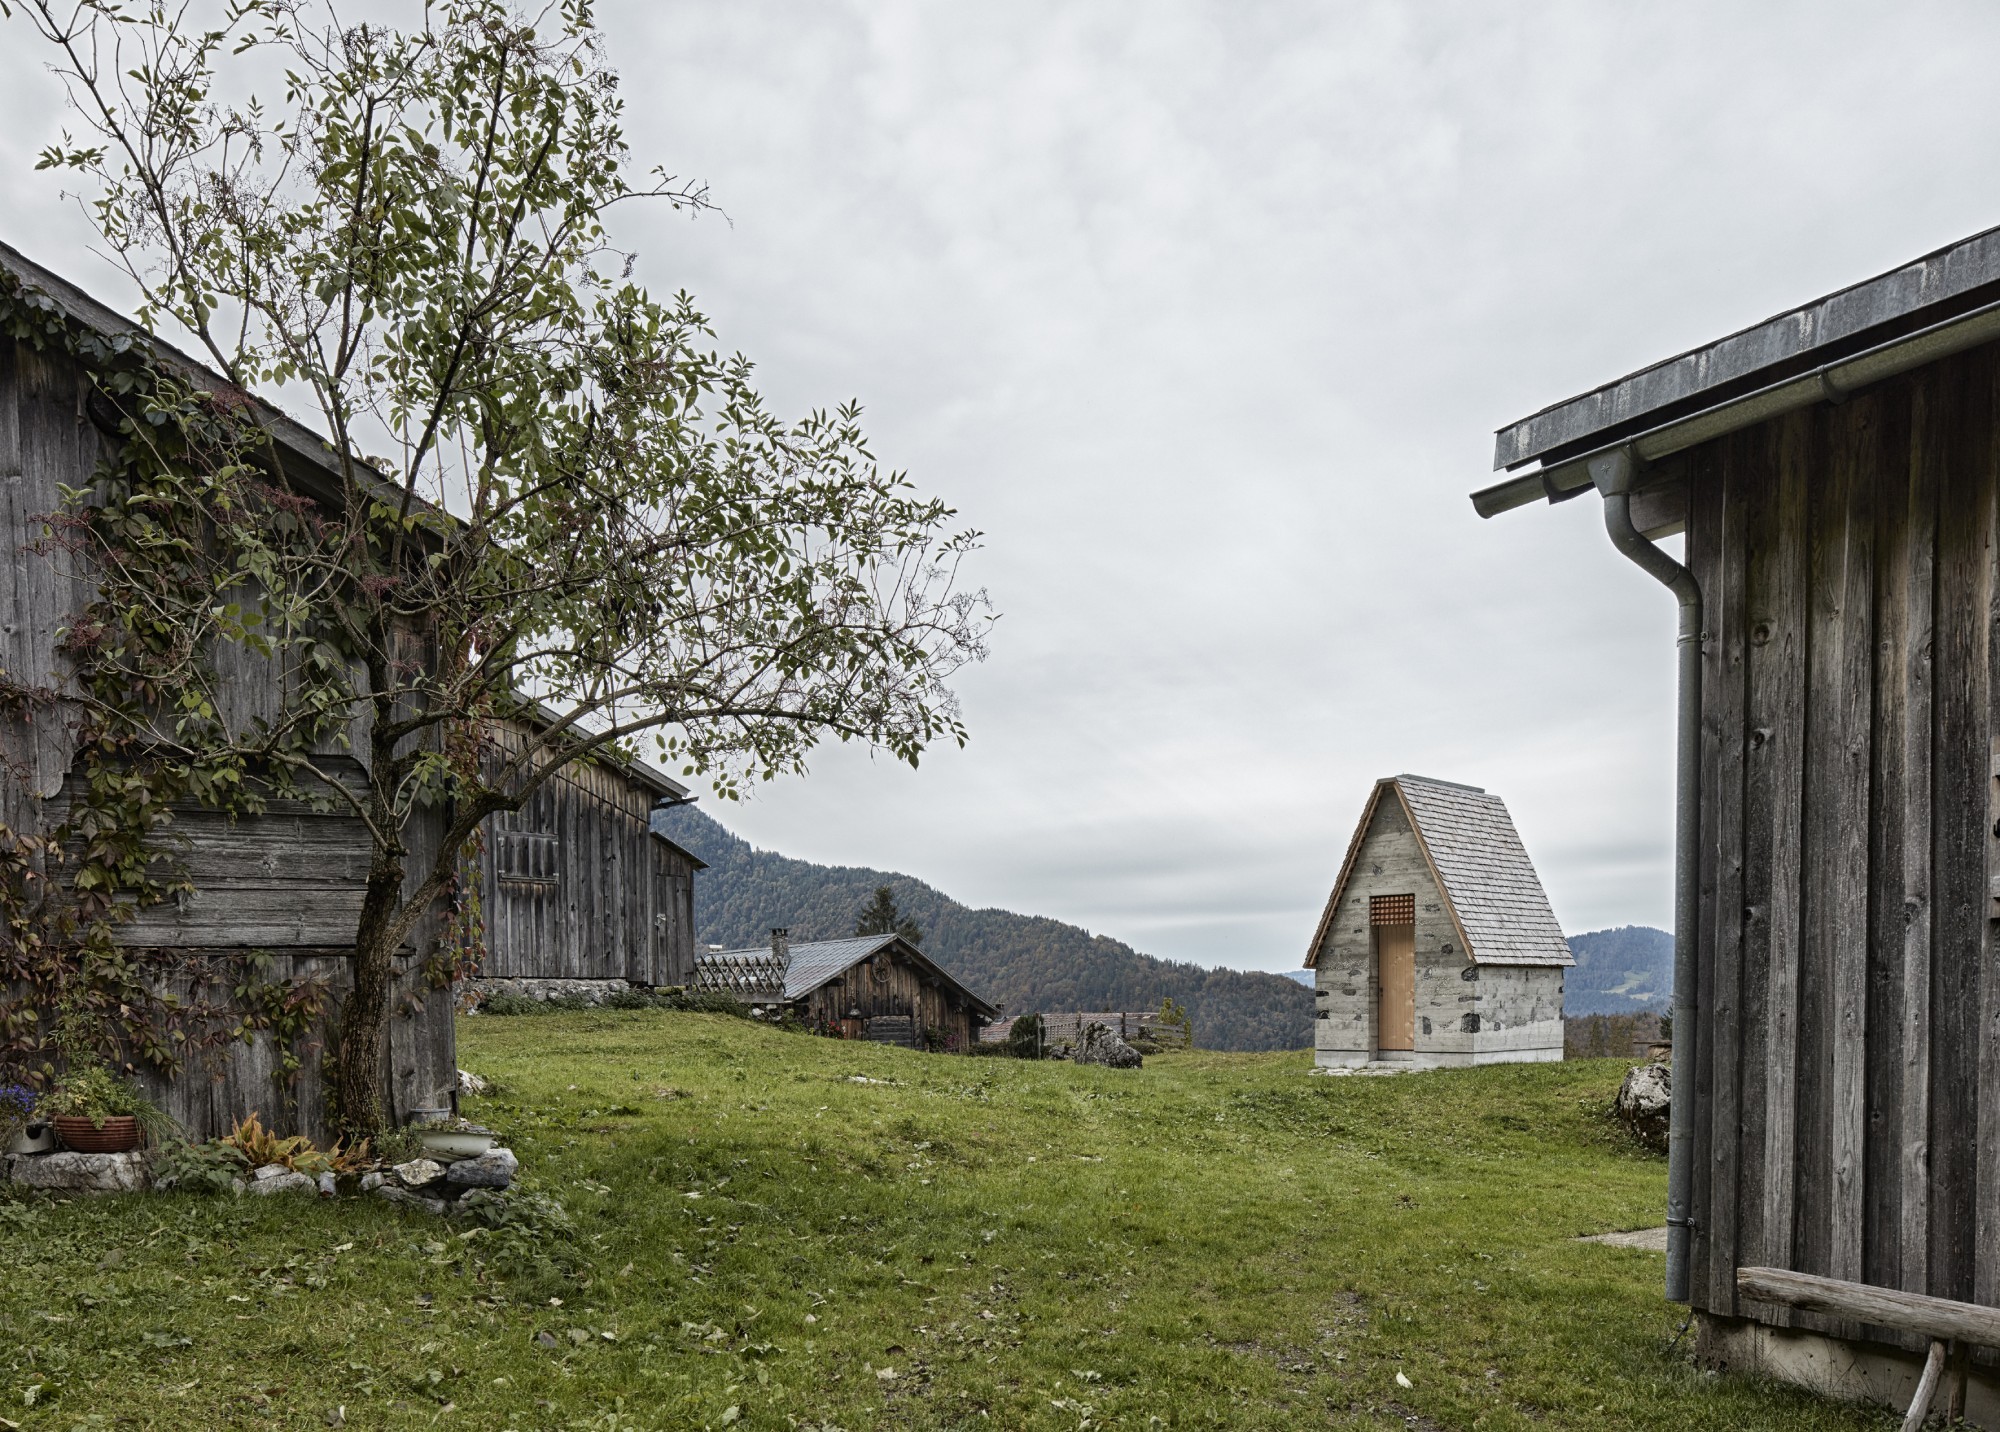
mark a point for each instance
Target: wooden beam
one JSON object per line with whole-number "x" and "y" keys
{"x": 1937, "y": 1318}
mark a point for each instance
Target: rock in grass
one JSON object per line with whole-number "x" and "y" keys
{"x": 470, "y": 1083}
{"x": 492, "y": 1169}
{"x": 1645, "y": 1101}
{"x": 418, "y": 1173}
{"x": 72, "y": 1172}
{"x": 389, "y": 1193}
{"x": 1098, "y": 1044}
{"x": 275, "y": 1178}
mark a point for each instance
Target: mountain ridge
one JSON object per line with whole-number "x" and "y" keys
{"x": 1627, "y": 969}
{"x": 1021, "y": 962}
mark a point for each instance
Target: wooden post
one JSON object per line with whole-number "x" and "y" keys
{"x": 1926, "y": 1387}
{"x": 1954, "y": 1394}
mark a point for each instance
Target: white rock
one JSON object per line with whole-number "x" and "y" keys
{"x": 269, "y": 1171}
{"x": 1645, "y": 1102}
{"x": 372, "y": 1181}
{"x": 328, "y": 1186}
{"x": 419, "y": 1173}
{"x": 285, "y": 1180}
{"x": 1100, "y": 1044}
{"x": 73, "y": 1172}
{"x": 470, "y": 1083}
{"x": 492, "y": 1169}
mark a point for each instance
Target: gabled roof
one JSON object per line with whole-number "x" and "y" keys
{"x": 818, "y": 962}
{"x": 1489, "y": 885}
{"x": 306, "y": 457}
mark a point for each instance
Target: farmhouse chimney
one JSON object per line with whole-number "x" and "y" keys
{"x": 781, "y": 948}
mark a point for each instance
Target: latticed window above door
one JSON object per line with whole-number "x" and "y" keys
{"x": 1392, "y": 910}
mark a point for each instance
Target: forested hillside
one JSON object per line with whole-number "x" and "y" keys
{"x": 1021, "y": 962}
{"x": 1620, "y": 971}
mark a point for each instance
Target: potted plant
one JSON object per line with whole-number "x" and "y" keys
{"x": 95, "y": 1112}
{"x": 21, "y": 1131}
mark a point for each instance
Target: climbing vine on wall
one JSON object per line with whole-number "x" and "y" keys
{"x": 181, "y": 500}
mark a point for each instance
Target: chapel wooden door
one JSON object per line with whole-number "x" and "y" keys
{"x": 1396, "y": 987}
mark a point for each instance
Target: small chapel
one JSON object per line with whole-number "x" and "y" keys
{"x": 1437, "y": 946}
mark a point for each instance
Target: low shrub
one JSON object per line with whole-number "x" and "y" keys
{"x": 199, "y": 1168}
{"x": 704, "y": 1001}
{"x": 510, "y": 1004}
{"x": 525, "y": 1237}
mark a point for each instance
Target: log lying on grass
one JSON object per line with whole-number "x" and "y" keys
{"x": 1862, "y": 1303}
{"x": 1941, "y": 1320}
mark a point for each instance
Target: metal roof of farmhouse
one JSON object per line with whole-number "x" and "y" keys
{"x": 1489, "y": 885}
{"x": 815, "y": 962}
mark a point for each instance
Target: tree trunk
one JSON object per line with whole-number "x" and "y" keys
{"x": 364, "y": 1017}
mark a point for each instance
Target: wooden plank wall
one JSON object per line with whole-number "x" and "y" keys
{"x": 286, "y": 883}
{"x": 577, "y": 887}
{"x": 1847, "y": 1106}
{"x": 884, "y": 985}
{"x": 44, "y": 445}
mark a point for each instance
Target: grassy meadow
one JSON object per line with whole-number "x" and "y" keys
{"x": 769, "y": 1231}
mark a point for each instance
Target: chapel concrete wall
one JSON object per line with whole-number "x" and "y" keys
{"x": 1466, "y": 1013}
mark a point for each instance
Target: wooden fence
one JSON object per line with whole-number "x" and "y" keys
{"x": 1127, "y": 1025}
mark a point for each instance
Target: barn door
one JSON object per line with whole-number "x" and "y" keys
{"x": 1396, "y": 987}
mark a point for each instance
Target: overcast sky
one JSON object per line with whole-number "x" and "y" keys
{"x": 1205, "y": 315}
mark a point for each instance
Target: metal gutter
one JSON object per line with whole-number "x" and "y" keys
{"x": 1613, "y": 475}
{"x": 1828, "y": 383}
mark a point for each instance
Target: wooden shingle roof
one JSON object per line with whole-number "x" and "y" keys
{"x": 1489, "y": 885}
{"x": 814, "y": 963}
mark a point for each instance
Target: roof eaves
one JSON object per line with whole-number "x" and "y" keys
{"x": 295, "y": 441}
{"x": 1346, "y": 869}
{"x": 1958, "y": 276}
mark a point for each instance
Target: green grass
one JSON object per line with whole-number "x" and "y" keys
{"x": 763, "y": 1238}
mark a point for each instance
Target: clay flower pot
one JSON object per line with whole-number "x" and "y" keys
{"x": 119, "y": 1133}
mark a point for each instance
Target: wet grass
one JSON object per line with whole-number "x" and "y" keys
{"x": 774, "y": 1231}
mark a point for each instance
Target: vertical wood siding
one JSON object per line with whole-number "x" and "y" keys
{"x": 884, "y": 987}
{"x": 285, "y": 884}
{"x": 577, "y": 887}
{"x": 1847, "y": 1082}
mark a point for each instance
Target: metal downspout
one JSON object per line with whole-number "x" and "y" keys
{"x": 1612, "y": 473}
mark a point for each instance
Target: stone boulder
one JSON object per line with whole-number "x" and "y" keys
{"x": 276, "y": 1178}
{"x": 389, "y": 1193}
{"x": 1644, "y": 1103}
{"x": 1097, "y": 1044}
{"x": 70, "y": 1172}
{"x": 418, "y": 1173}
{"x": 492, "y": 1169}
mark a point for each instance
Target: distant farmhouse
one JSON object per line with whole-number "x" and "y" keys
{"x": 875, "y": 987}
{"x": 1437, "y": 946}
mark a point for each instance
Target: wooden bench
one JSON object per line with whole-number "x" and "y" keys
{"x": 1950, "y": 1326}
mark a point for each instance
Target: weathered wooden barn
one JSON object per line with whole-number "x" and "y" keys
{"x": 1835, "y": 472}
{"x": 875, "y": 987}
{"x": 1437, "y": 946}
{"x": 579, "y": 884}
{"x": 282, "y": 889}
